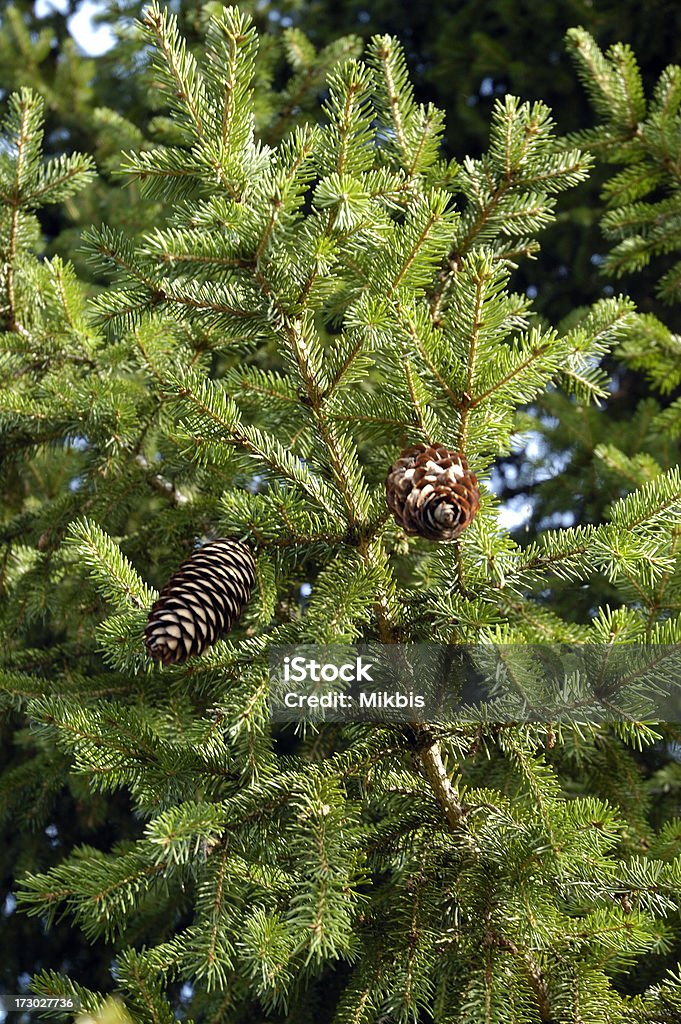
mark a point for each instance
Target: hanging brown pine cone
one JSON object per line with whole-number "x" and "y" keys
{"x": 201, "y": 601}
{"x": 432, "y": 493}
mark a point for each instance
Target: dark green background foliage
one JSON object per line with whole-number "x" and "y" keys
{"x": 461, "y": 56}
{"x": 617, "y": 229}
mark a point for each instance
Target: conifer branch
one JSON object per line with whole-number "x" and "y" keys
{"x": 15, "y": 201}
{"x": 161, "y": 483}
{"x": 434, "y": 218}
{"x": 276, "y": 200}
{"x": 411, "y": 330}
{"x": 416, "y": 402}
{"x": 517, "y": 371}
{"x": 436, "y": 773}
{"x": 185, "y": 77}
{"x": 535, "y": 974}
{"x": 315, "y": 399}
{"x": 384, "y": 52}
{"x": 465, "y": 406}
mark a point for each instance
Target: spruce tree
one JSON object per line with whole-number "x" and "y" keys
{"x": 637, "y": 439}
{"x": 300, "y": 314}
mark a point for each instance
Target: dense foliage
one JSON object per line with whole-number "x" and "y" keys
{"x": 280, "y": 298}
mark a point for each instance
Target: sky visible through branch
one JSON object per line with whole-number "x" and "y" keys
{"x": 93, "y": 38}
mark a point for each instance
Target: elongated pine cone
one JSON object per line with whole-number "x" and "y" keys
{"x": 432, "y": 493}
{"x": 201, "y": 601}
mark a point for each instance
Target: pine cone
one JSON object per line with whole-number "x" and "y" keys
{"x": 201, "y": 601}
{"x": 432, "y": 493}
